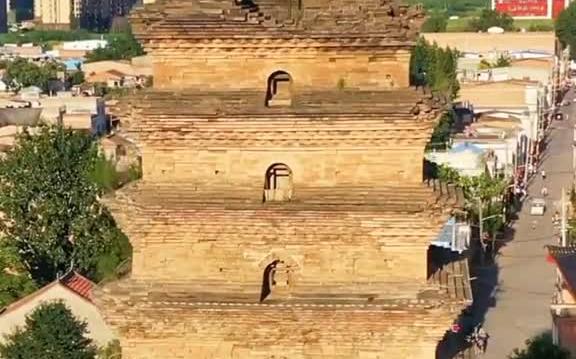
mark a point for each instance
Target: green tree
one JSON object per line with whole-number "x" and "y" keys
{"x": 23, "y": 73}
{"x": 112, "y": 351}
{"x": 540, "y": 347}
{"x": 437, "y": 22}
{"x": 50, "y": 332}
{"x": 502, "y": 61}
{"x": 77, "y": 78}
{"x": 15, "y": 281}
{"x": 49, "y": 200}
{"x": 442, "y": 132}
{"x": 122, "y": 46}
{"x": 490, "y": 18}
{"x": 565, "y": 27}
{"x": 435, "y": 67}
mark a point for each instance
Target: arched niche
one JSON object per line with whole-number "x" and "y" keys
{"x": 279, "y": 90}
{"x": 278, "y": 183}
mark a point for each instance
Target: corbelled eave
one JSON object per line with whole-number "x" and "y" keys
{"x": 179, "y": 24}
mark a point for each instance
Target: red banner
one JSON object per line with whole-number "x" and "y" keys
{"x": 557, "y": 7}
{"x": 527, "y": 8}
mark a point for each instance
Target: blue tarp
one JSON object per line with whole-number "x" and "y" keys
{"x": 73, "y": 64}
{"x": 466, "y": 146}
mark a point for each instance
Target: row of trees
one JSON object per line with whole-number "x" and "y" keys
{"x": 438, "y": 22}
{"x": 435, "y": 67}
{"x": 22, "y": 73}
{"x": 566, "y": 28}
{"x": 52, "y": 221}
{"x": 121, "y": 46}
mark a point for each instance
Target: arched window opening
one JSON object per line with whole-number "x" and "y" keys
{"x": 276, "y": 280}
{"x": 278, "y": 185}
{"x": 279, "y": 91}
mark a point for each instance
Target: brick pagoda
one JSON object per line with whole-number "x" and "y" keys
{"x": 282, "y": 212}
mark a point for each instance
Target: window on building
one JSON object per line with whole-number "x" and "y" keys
{"x": 277, "y": 279}
{"x": 279, "y": 92}
{"x": 278, "y": 185}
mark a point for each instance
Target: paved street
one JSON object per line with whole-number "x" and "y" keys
{"x": 515, "y": 296}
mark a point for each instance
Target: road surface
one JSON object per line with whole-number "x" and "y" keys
{"x": 514, "y": 295}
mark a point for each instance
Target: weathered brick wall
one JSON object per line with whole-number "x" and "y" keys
{"x": 255, "y": 332}
{"x": 310, "y": 167}
{"x": 329, "y": 248}
{"x": 365, "y": 71}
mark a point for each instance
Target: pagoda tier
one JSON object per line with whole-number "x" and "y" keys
{"x": 281, "y": 19}
{"x": 180, "y": 321}
{"x": 403, "y": 114}
{"x": 350, "y": 239}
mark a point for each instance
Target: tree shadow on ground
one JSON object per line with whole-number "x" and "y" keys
{"x": 484, "y": 274}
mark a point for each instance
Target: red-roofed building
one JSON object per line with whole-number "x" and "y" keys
{"x": 75, "y": 291}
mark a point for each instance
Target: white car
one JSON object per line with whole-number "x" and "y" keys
{"x": 537, "y": 207}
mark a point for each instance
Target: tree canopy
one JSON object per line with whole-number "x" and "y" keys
{"x": 565, "y": 27}
{"x": 540, "y": 347}
{"x": 15, "y": 282}
{"x": 435, "y": 67}
{"x": 436, "y": 22}
{"x": 491, "y": 18}
{"x": 121, "y": 46}
{"x": 50, "y": 332}
{"x": 23, "y": 73}
{"x": 49, "y": 198}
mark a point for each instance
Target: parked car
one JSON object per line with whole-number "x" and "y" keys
{"x": 537, "y": 207}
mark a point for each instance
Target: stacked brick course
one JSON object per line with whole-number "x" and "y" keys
{"x": 335, "y": 266}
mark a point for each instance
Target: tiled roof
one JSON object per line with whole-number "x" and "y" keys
{"x": 79, "y": 284}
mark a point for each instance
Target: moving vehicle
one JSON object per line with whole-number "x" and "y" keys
{"x": 537, "y": 207}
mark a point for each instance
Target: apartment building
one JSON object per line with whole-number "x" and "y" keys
{"x": 54, "y": 13}
{"x": 98, "y": 14}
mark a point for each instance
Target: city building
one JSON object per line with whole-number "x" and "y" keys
{"x": 282, "y": 211}
{"x": 4, "y": 9}
{"x": 531, "y": 9}
{"x": 98, "y": 14}
{"x": 491, "y": 46}
{"x": 56, "y": 14}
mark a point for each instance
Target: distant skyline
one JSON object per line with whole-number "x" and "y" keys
{"x": 24, "y": 8}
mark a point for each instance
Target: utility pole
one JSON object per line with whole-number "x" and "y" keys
{"x": 481, "y": 230}
{"x": 563, "y": 223}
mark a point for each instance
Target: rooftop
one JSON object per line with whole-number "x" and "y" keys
{"x": 486, "y": 42}
{"x": 73, "y": 281}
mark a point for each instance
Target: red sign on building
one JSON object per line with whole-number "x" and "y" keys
{"x": 523, "y": 8}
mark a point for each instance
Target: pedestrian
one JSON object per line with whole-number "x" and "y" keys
{"x": 543, "y": 173}
{"x": 544, "y": 191}
{"x": 483, "y": 339}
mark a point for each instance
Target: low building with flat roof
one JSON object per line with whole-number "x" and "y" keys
{"x": 487, "y": 43}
